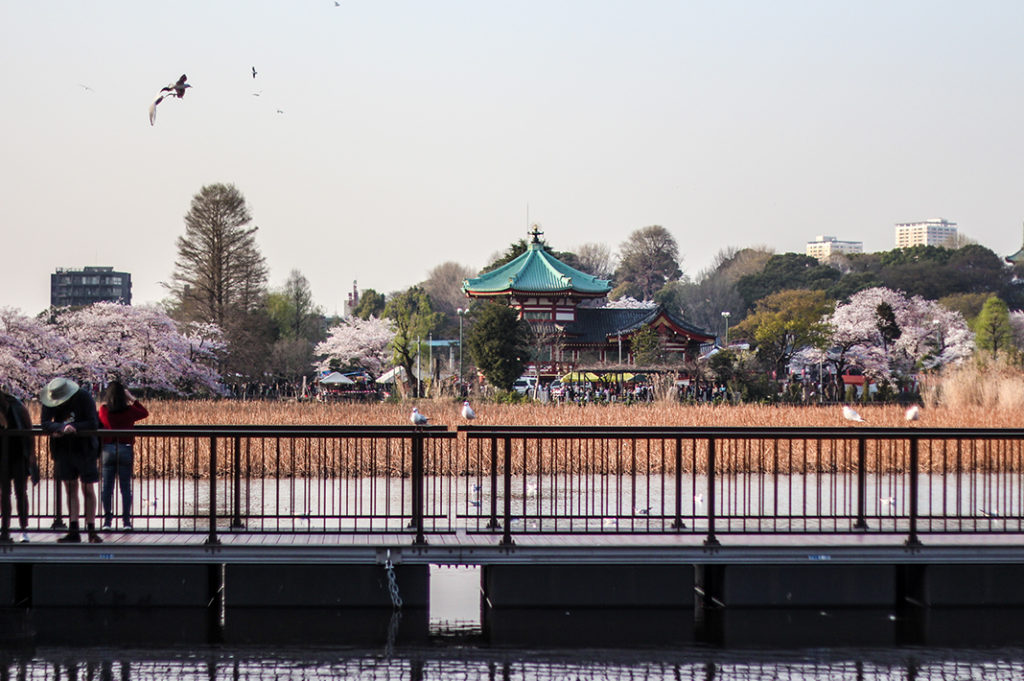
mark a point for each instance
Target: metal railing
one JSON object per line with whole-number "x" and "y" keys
{"x": 517, "y": 481}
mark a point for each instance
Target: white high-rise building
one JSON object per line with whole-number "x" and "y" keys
{"x": 825, "y": 246}
{"x": 933, "y": 232}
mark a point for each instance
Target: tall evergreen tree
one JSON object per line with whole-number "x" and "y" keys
{"x": 219, "y": 271}
{"x": 220, "y": 276}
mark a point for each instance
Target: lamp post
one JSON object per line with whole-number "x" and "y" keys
{"x": 462, "y": 313}
{"x": 725, "y": 316}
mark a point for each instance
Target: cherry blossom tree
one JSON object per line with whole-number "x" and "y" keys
{"x": 31, "y": 352}
{"x": 357, "y": 342}
{"x": 885, "y": 334}
{"x": 140, "y": 345}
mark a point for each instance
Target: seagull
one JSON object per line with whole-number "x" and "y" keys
{"x": 254, "y": 72}
{"x": 467, "y": 411}
{"x": 176, "y": 89}
{"x": 913, "y": 414}
{"x": 86, "y": 87}
{"x": 698, "y": 498}
{"x": 851, "y": 415}
{"x": 417, "y": 418}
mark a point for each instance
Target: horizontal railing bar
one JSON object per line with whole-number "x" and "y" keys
{"x": 739, "y": 432}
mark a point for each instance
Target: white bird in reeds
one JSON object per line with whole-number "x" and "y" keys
{"x": 176, "y": 89}
{"x": 417, "y": 418}
{"x": 913, "y": 413}
{"x": 850, "y": 414}
{"x": 467, "y": 411}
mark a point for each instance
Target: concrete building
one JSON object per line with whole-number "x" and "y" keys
{"x": 933, "y": 232}
{"x": 73, "y": 287}
{"x": 825, "y": 246}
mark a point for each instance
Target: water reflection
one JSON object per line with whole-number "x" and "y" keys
{"x": 418, "y": 664}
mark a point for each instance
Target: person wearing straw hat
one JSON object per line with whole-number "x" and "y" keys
{"x": 67, "y": 412}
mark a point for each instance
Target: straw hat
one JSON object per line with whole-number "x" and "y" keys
{"x": 57, "y": 392}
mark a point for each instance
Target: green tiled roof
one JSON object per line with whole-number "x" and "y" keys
{"x": 536, "y": 271}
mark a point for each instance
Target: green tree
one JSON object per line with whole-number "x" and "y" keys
{"x": 293, "y": 310}
{"x": 783, "y": 323}
{"x": 992, "y": 328}
{"x": 371, "y": 304}
{"x": 646, "y": 346}
{"x": 414, "y": 320}
{"x": 299, "y": 324}
{"x": 649, "y": 258}
{"x": 499, "y": 343}
{"x": 786, "y": 271}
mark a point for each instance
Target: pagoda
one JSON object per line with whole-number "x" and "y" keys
{"x": 1017, "y": 258}
{"x": 564, "y": 306}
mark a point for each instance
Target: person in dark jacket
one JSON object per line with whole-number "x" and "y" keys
{"x": 68, "y": 412}
{"x": 17, "y": 460}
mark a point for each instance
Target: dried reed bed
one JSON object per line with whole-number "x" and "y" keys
{"x": 363, "y": 457}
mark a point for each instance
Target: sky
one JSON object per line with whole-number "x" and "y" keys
{"x": 415, "y": 132}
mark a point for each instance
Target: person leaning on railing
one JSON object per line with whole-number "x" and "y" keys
{"x": 67, "y": 409}
{"x": 19, "y": 460}
{"x": 119, "y": 410}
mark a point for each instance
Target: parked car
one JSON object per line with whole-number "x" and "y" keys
{"x": 556, "y": 388}
{"x": 525, "y": 384}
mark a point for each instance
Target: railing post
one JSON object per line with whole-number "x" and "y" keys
{"x": 212, "y": 539}
{"x": 678, "y": 523}
{"x": 493, "y": 523}
{"x": 862, "y": 485}
{"x": 236, "y": 520}
{"x": 912, "y": 539}
{"x": 5, "y": 480}
{"x": 417, "y": 486}
{"x": 711, "y": 539}
{"x": 506, "y": 539}
{"x": 58, "y": 497}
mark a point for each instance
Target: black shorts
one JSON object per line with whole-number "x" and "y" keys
{"x": 76, "y": 466}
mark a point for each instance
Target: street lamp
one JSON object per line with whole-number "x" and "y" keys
{"x": 462, "y": 313}
{"x": 725, "y": 316}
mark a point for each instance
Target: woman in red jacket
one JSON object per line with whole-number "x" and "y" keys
{"x": 119, "y": 411}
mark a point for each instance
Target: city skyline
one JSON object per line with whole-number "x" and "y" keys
{"x": 376, "y": 142}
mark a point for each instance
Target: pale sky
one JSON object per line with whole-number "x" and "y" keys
{"x": 420, "y": 131}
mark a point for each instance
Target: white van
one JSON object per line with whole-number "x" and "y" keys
{"x": 525, "y": 384}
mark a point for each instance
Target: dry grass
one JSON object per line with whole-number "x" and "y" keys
{"x": 446, "y": 412}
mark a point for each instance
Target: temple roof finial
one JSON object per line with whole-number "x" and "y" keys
{"x": 535, "y": 234}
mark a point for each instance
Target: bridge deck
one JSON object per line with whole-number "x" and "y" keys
{"x": 463, "y": 548}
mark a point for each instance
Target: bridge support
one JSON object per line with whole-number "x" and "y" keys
{"x": 567, "y": 604}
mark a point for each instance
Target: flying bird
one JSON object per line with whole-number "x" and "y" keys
{"x": 86, "y": 87}
{"x": 176, "y": 89}
{"x": 913, "y": 414}
{"x": 467, "y": 411}
{"x": 417, "y": 418}
{"x": 254, "y": 72}
{"x": 851, "y": 415}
